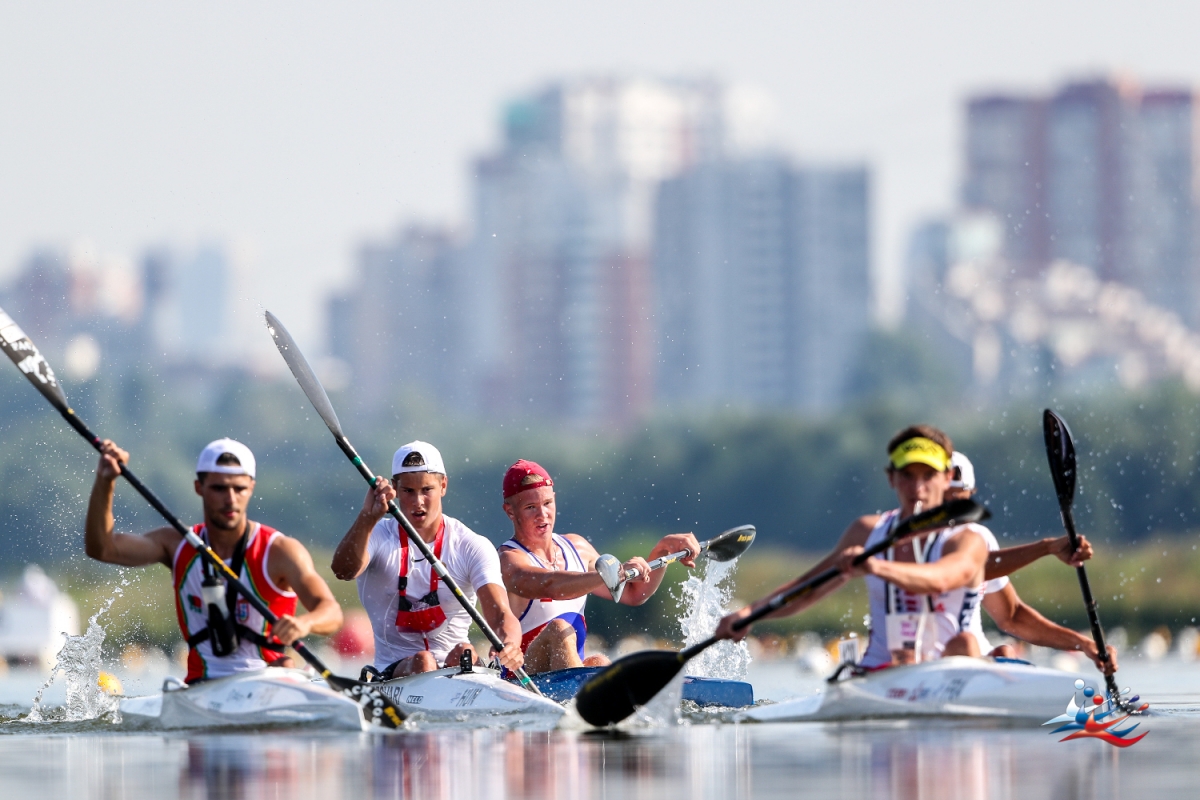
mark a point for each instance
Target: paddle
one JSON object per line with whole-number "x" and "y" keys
{"x": 615, "y": 692}
{"x": 724, "y": 546}
{"x": 376, "y": 708}
{"x": 315, "y": 392}
{"x": 1060, "y": 450}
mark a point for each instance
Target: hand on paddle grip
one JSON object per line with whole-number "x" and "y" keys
{"x": 111, "y": 459}
{"x": 1061, "y": 549}
{"x": 289, "y": 629}
{"x": 379, "y": 496}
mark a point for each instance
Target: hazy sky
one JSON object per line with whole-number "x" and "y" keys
{"x": 300, "y": 128}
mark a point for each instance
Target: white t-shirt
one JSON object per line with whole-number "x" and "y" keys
{"x": 995, "y": 584}
{"x": 470, "y": 559}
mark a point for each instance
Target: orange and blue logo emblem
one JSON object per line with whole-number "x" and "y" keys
{"x": 1090, "y": 719}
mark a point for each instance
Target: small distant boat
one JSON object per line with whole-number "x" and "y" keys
{"x": 953, "y": 686}
{"x": 563, "y": 684}
{"x": 265, "y": 697}
{"x": 35, "y": 622}
{"x": 460, "y": 695}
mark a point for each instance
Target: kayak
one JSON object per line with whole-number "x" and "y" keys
{"x": 563, "y": 684}
{"x": 952, "y": 686}
{"x": 263, "y": 697}
{"x": 458, "y": 695}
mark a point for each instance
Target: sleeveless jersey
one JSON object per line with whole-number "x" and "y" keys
{"x": 950, "y": 613}
{"x": 541, "y": 612}
{"x": 187, "y": 573}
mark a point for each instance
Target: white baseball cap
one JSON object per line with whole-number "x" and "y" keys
{"x": 417, "y": 457}
{"x": 964, "y": 472}
{"x": 209, "y": 455}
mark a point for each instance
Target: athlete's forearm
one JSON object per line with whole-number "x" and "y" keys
{"x": 936, "y": 578}
{"x": 325, "y": 617}
{"x": 350, "y": 557}
{"x": 1010, "y": 559}
{"x": 98, "y": 528}
{"x": 1029, "y": 626}
{"x": 535, "y": 583}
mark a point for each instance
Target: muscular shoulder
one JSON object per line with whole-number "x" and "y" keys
{"x": 989, "y": 538}
{"x": 583, "y": 547}
{"x": 859, "y": 530}
{"x": 286, "y": 551}
{"x": 967, "y": 538}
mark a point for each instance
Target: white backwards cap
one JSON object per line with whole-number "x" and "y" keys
{"x": 214, "y": 450}
{"x": 964, "y": 472}
{"x": 417, "y": 457}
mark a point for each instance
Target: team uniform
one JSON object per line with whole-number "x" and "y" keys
{"x": 541, "y": 612}
{"x": 256, "y": 648}
{"x": 404, "y": 597}
{"x": 925, "y": 622}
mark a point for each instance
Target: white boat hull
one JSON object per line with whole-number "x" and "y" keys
{"x": 449, "y": 694}
{"x": 955, "y": 686}
{"x": 264, "y": 697}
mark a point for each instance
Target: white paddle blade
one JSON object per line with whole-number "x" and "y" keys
{"x": 298, "y": 364}
{"x": 609, "y": 569}
{"x": 17, "y": 346}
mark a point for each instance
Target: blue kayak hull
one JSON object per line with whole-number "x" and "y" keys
{"x": 562, "y": 684}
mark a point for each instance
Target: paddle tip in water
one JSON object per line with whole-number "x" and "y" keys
{"x": 618, "y": 690}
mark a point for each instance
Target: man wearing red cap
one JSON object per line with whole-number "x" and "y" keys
{"x": 549, "y": 575}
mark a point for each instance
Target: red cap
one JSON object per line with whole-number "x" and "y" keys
{"x": 525, "y": 475}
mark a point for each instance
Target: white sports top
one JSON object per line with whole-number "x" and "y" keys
{"x": 541, "y": 611}
{"x": 469, "y": 558}
{"x": 995, "y": 584}
{"x": 950, "y": 612}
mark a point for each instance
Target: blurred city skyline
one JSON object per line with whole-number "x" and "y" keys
{"x": 295, "y": 133}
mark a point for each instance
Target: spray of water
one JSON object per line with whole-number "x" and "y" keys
{"x": 703, "y": 600}
{"x": 79, "y": 664}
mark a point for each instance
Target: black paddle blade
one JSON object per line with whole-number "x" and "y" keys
{"x": 377, "y": 709}
{"x": 616, "y": 691}
{"x": 1060, "y": 450}
{"x": 17, "y": 346}
{"x": 958, "y": 512}
{"x": 732, "y": 543}
{"x": 298, "y": 364}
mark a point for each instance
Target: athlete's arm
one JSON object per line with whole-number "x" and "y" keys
{"x": 962, "y": 561}
{"x": 291, "y": 567}
{"x": 493, "y": 604}
{"x": 1016, "y": 618}
{"x": 643, "y": 588}
{"x": 854, "y": 536}
{"x": 524, "y": 578}
{"x": 1010, "y": 559}
{"x": 352, "y": 554}
{"x": 100, "y": 543}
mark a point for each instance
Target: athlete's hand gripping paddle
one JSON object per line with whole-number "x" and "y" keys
{"x": 619, "y": 689}
{"x": 377, "y": 709}
{"x": 316, "y": 395}
{"x": 725, "y": 546}
{"x": 1060, "y": 450}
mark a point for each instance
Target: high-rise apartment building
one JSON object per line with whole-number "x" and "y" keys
{"x": 1100, "y": 173}
{"x": 763, "y": 285}
{"x": 556, "y": 273}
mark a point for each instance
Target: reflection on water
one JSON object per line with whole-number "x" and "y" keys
{"x": 926, "y": 761}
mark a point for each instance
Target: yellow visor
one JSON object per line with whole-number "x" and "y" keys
{"x": 920, "y": 450}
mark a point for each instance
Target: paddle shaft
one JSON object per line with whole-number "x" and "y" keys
{"x": 780, "y": 600}
{"x": 434, "y": 562}
{"x": 195, "y": 541}
{"x": 663, "y": 561}
{"x": 1085, "y": 586}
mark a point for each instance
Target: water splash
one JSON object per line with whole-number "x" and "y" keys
{"x": 79, "y": 663}
{"x": 703, "y": 600}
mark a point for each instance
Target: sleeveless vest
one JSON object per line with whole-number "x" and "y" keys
{"x": 257, "y": 648}
{"x": 541, "y": 612}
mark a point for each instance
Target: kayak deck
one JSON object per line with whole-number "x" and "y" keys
{"x": 563, "y": 684}
{"x": 456, "y": 695}
{"x": 952, "y": 686}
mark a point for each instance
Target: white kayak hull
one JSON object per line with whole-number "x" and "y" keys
{"x": 265, "y": 697}
{"x": 450, "y": 694}
{"x": 954, "y": 686}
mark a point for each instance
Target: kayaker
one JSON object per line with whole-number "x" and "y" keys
{"x": 549, "y": 576}
{"x": 1011, "y": 614}
{"x": 925, "y": 592}
{"x": 418, "y": 623}
{"x": 224, "y": 633}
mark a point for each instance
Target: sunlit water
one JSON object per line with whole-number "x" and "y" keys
{"x": 703, "y": 599}
{"x": 82, "y": 751}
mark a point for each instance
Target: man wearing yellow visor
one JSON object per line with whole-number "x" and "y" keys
{"x": 925, "y": 592}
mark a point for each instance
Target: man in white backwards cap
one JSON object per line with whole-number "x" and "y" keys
{"x": 224, "y": 633}
{"x": 419, "y": 625}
